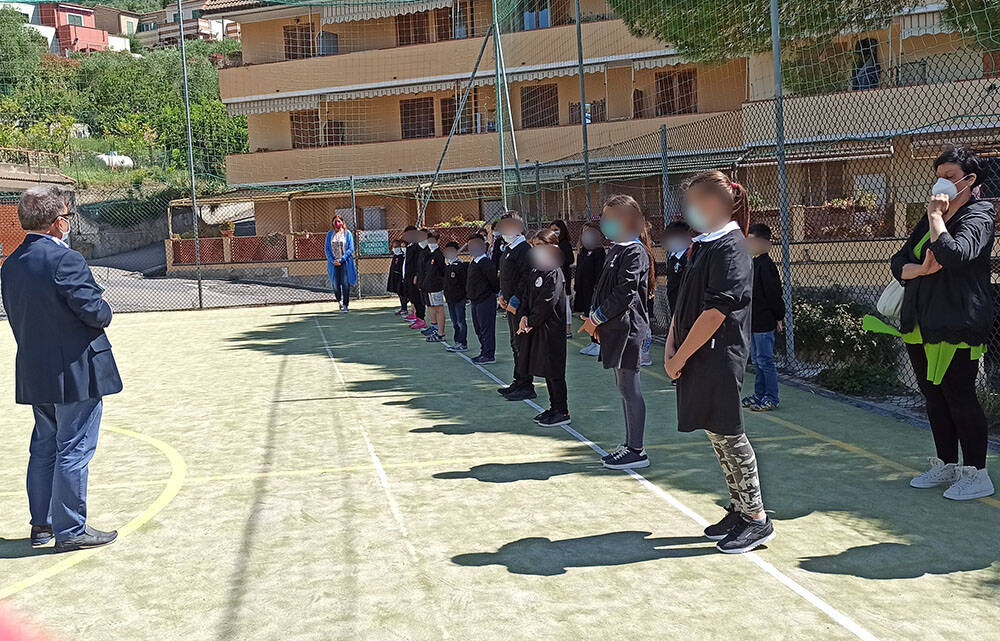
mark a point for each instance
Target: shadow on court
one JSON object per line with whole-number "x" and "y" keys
{"x": 512, "y": 472}
{"x": 903, "y": 561}
{"x": 21, "y": 549}
{"x": 543, "y": 557}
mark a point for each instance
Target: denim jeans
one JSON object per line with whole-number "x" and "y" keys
{"x": 62, "y": 444}
{"x": 457, "y": 312}
{"x": 341, "y": 288}
{"x": 765, "y": 386}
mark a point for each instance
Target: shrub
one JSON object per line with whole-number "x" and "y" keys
{"x": 861, "y": 379}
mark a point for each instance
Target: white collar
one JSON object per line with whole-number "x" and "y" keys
{"x": 517, "y": 241}
{"x": 680, "y": 254}
{"x": 628, "y": 242}
{"x": 58, "y": 241}
{"x": 732, "y": 225}
{"x": 478, "y": 258}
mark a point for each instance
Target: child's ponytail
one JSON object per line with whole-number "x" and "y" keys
{"x": 741, "y": 206}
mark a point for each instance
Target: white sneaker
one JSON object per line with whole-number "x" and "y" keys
{"x": 941, "y": 473}
{"x": 972, "y": 484}
{"x": 591, "y": 350}
{"x": 646, "y": 360}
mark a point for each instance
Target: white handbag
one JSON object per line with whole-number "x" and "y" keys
{"x": 890, "y": 303}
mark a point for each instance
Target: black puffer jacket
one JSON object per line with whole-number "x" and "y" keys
{"x": 955, "y": 304}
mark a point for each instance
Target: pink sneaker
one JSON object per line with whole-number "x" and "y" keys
{"x": 411, "y": 317}
{"x": 419, "y": 324}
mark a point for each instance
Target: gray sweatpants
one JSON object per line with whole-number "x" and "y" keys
{"x": 633, "y": 405}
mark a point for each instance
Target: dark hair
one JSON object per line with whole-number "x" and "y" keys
{"x": 722, "y": 186}
{"x": 433, "y": 233}
{"x": 409, "y": 228}
{"x": 546, "y": 237}
{"x": 476, "y": 236}
{"x": 563, "y": 229}
{"x": 964, "y": 158}
{"x": 627, "y": 203}
{"x": 677, "y": 227}
{"x": 452, "y": 244}
{"x": 760, "y": 230}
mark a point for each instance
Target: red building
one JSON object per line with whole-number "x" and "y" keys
{"x": 75, "y": 28}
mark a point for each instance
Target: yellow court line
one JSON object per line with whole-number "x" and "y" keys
{"x": 178, "y": 470}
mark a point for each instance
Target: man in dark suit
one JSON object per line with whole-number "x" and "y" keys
{"x": 64, "y": 367}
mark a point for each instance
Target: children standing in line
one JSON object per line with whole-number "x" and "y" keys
{"x": 543, "y": 325}
{"x": 433, "y": 285}
{"x": 481, "y": 288}
{"x": 416, "y": 241}
{"x": 619, "y": 318}
{"x": 766, "y": 316}
{"x": 515, "y": 273}
{"x": 707, "y": 346}
{"x": 395, "y": 285}
{"x": 589, "y": 264}
{"x": 455, "y": 275}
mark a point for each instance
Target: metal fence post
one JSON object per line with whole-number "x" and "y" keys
{"x": 583, "y": 108}
{"x": 190, "y": 154}
{"x": 357, "y": 261}
{"x": 498, "y": 100}
{"x": 664, "y": 173}
{"x": 538, "y": 191}
{"x": 779, "y": 129}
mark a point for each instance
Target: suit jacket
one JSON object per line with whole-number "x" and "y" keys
{"x": 55, "y": 309}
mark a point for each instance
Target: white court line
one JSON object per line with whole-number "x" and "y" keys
{"x": 842, "y": 619}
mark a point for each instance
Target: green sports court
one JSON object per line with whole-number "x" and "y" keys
{"x": 290, "y": 472}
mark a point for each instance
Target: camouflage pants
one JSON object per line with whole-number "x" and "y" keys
{"x": 739, "y": 464}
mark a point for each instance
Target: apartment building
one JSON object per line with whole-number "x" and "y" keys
{"x": 30, "y": 13}
{"x": 162, "y": 28}
{"x": 117, "y": 22}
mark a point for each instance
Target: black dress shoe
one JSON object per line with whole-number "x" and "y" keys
{"x": 521, "y": 394}
{"x": 506, "y": 390}
{"x": 91, "y": 538}
{"x": 40, "y": 535}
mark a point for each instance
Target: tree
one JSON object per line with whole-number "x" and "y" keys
{"x": 21, "y": 49}
{"x": 977, "y": 20}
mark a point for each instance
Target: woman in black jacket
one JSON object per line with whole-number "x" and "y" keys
{"x": 590, "y": 263}
{"x": 559, "y": 228}
{"x": 945, "y": 320}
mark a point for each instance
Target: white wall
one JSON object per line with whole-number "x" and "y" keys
{"x": 30, "y": 10}
{"x": 117, "y": 43}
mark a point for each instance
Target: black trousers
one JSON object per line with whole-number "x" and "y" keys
{"x": 484, "y": 320}
{"x": 402, "y": 298}
{"x": 521, "y": 376}
{"x": 558, "y": 401}
{"x": 417, "y": 298}
{"x": 953, "y": 409}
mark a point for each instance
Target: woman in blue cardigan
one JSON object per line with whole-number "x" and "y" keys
{"x": 340, "y": 266}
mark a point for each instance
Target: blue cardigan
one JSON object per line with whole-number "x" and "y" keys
{"x": 347, "y": 262}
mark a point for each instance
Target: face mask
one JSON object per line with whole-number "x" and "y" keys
{"x": 591, "y": 240}
{"x": 451, "y": 256}
{"x": 432, "y": 246}
{"x": 676, "y": 245}
{"x": 556, "y": 232}
{"x": 397, "y": 250}
{"x": 423, "y": 244}
{"x": 542, "y": 260}
{"x": 510, "y": 238}
{"x": 696, "y": 219}
{"x": 946, "y": 187}
{"x": 612, "y": 229}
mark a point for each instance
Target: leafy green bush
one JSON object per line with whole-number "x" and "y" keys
{"x": 861, "y": 379}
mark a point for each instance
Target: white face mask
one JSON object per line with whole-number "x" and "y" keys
{"x": 432, "y": 246}
{"x": 946, "y": 187}
{"x": 397, "y": 250}
{"x": 423, "y": 244}
{"x": 556, "y": 232}
{"x": 696, "y": 219}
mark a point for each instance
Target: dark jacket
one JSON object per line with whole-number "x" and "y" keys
{"x": 455, "y": 276}
{"x": 589, "y": 265}
{"x": 515, "y": 272}
{"x": 413, "y": 264}
{"x": 55, "y": 309}
{"x": 719, "y": 276}
{"x": 545, "y": 306}
{"x": 955, "y": 304}
{"x": 497, "y": 250}
{"x": 395, "y": 282}
{"x": 768, "y": 300}
{"x": 620, "y": 305}
{"x": 432, "y": 278}
{"x": 675, "y": 273}
{"x": 567, "y": 266}
{"x": 482, "y": 281}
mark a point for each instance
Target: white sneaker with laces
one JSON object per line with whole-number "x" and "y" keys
{"x": 941, "y": 473}
{"x": 972, "y": 484}
{"x": 591, "y": 350}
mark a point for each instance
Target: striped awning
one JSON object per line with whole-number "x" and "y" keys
{"x": 270, "y": 105}
{"x": 928, "y": 23}
{"x": 552, "y": 72}
{"x": 657, "y": 62}
{"x": 390, "y": 91}
{"x": 372, "y": 10}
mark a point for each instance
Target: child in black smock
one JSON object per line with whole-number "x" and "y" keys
{"x": 395, "y": 283}
{"x": 707, "y": 348}
{"x": 619, "y": 319}
{"x": 542, "y": 327}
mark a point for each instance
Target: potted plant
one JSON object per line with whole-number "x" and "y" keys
{"x": 227, "y": 229}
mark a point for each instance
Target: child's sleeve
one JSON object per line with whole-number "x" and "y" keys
{"x": 773, "y": 292}
{"x": 625, "y": 293}
{"x": 730, "y": 278}
{"x": 543, "y": 302}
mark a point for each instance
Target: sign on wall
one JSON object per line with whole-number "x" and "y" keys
{"x": 375, "y": 242}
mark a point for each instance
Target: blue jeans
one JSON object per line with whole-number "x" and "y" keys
{"x": 484, "y": 320}
{"x": 457, "y": 312}
{"x": 341, "y": 288}
{"x": 62, "y": 444}
{"x": 765, "y": 386}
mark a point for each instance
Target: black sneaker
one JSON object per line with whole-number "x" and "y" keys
{"x": 746, "y": 535}
{"x": 749, "y": 401}
{"x": 40, "y": 535}
{"x": 721, "y": 529}
{"x": 435, "y": 338}
{"x": 521, "y": 394}
{"x": 542, "y": 416}
{"x": 483, "y": 360}
{"x": 91, "y": 538}
{"x": 610, "y": 455}
{"x": 506, "y": 390}
{"x": 627, "y": 459}
{"x": 554, "y": 419}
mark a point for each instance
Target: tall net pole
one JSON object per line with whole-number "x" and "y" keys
{"x": 583, "y": 109}
{"x": 498, "y": 99}
{"x": 190, "y": 153}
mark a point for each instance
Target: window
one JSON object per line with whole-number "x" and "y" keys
{"x": 73, "y": 19}
{"x": 676, "y": 93}
{"x": 416, "y": 118}
{"x": 639, "y": 104}
{"x": 448, "y": 108}
{"x": 535, "y": 14}
{"x": 129, "y": 28}
{"x": 145, "y": 27}
{"x": 443, "y": 23}
{"x": 822, "y": 182}
{"x": 539, "y": 106}
{"x": 335, "y": 133}
{"x": 596, "y": 111}
{"x": 412, "y": 29}
{"x": 328, "y": 43}
{"x": 305, "y": 129}
{"x": 298, "y": 42}
{"x": 175, "y": 17}
{"x": 463, "y": 19}
{"x": 195, "y": 14}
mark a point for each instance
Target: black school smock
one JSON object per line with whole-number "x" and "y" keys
{"x": 589, "y": 264}
{"x": 619, "y": 305}
{"x": 455, "y": 274}
{"x": 395, "y": 282}
{"x": 545, "y": 306}
{"x": 719, "y": 275}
